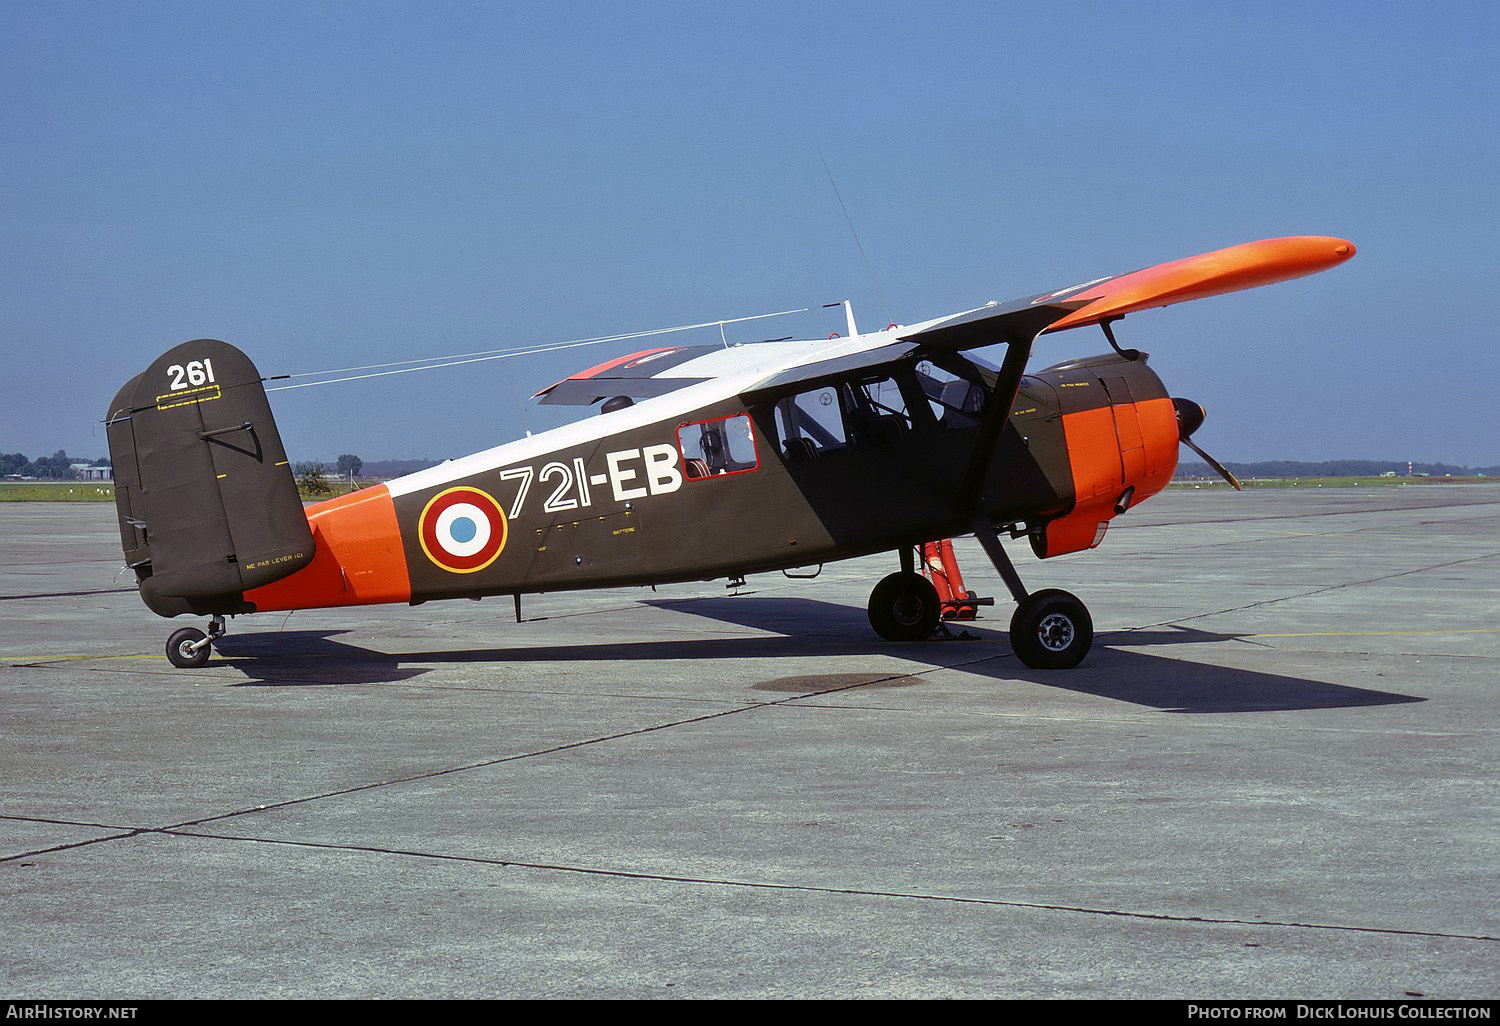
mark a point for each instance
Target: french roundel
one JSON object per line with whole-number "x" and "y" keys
{"x": 462, "y": 530}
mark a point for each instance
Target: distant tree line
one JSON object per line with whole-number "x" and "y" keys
{"x": 1333, "y": 468}
{"x": 396, "y": 468}
{"x": 57, "y": 467}
{"x": 312, "y": 478}
{"x": 380, "y": 469}
{"x": 312, "y": 475}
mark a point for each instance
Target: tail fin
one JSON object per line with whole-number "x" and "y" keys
{"x": 207, "y": 504}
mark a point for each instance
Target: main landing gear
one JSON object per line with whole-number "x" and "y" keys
{"x": 189, "y": 648}
{"x": 1050, "y": 630}
{"x": 905, "y": 606}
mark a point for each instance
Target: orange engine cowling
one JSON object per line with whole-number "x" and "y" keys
{"x": 1120, "y": 454}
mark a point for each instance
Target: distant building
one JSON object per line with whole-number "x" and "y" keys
{"x": 87, "y": 472}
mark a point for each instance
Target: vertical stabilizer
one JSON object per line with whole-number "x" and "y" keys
{"x": 207, "y": 504}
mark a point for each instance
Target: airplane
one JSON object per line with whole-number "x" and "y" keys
{"x": 704, "y": 462}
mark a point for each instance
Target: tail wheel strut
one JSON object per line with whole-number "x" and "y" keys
{"x": 189, "y": 648}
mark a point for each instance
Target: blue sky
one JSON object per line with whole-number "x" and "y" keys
{"x": 334, "y": 184}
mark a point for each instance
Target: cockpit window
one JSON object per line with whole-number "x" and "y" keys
{"x": 714, "y": 448}
{"x": 810, "y": 423}
{"x": 956, "y": 395}
{"x": 876, "y": 411}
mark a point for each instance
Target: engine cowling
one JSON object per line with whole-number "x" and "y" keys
{"x": 1121, "y": 431}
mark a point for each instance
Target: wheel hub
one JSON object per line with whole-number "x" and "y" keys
{"x": 907, "y": 609}
{"x": 1055, "y": 632}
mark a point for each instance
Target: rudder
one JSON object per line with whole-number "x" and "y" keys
{"x": 207, "y": 504}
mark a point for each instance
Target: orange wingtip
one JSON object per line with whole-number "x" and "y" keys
{"x": 1208, "y": 274}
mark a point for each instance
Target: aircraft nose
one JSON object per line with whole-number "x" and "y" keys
{"x": 1190, "y": 417}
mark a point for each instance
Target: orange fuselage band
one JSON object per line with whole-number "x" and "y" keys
{"x": 358, "y": 560}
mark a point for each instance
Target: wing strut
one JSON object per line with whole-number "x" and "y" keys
{"x": 996, "y": 416}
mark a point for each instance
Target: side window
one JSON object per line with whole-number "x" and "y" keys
{"x": 712, "y": 448}
{"x": 810, "y": 423}
{"x": 877, "y": 411}
{"x": 956, "y": 400}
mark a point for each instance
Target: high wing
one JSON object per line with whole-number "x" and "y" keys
{"x": 656, "y": 372}
{"x": 1020, "y": 321}
{"x": 1198, "y": 277}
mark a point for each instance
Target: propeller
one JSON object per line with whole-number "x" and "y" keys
{"x": 1190, "y": 418}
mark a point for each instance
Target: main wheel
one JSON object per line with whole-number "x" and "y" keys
{"x": 905, "y": 607}
{"x": 1051, "y": 630}
{"x": 183, "y": 657}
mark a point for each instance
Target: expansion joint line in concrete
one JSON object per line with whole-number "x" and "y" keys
{"x": 1308, "y": 516}
{"x": 122, "y": 833}
{"x": 847, "y": 891}
{"x": 747, "y": 884}
{"x": 1307, "y": 594}
{"x": 180, "y": 829}
{"x": 128, "y": 832}
{"x": 66, "y": 594}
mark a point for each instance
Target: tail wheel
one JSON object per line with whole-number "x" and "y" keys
{"x": 905, "y": 607}
{"x": 180, "y": 651}
{"x": 1051, "y": 630}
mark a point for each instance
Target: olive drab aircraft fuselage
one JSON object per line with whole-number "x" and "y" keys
{"x": 705, "y": 462}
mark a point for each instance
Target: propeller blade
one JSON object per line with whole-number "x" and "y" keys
{"x": 1223, "y": 471}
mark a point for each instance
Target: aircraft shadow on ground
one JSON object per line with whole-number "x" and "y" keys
{"x": 807, "y": 628}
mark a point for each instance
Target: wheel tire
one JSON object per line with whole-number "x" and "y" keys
{"x": 178, "y": 654}
{"x": 1051, "y": 630}
{"x": 905, "y": 607}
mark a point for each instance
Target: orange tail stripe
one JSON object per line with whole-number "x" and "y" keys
{"x": 358, "y": 561}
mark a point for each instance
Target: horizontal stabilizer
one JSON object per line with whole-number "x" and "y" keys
{"x": 586, "y": 391}
{"x": 612, "y": 376}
